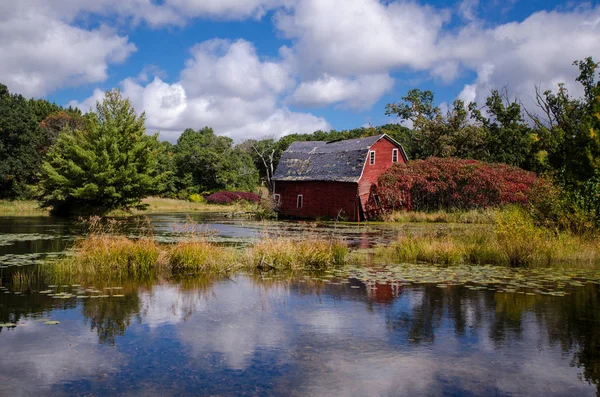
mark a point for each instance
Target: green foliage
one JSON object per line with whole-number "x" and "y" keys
{"x": 498, "y": 135}
{"x": 568, "y": 129}
{"x": 19, "y": 143}
{"x": 206, "y": 161}
{"x": 507, "y": 138}
{"x": 108, "y": 165}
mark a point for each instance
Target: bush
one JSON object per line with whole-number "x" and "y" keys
{"x": 450, "y": 183}
{"x": 196, "y": 198}
{"x": 224, "y": 197}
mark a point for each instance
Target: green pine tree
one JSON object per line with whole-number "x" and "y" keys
{"x": 109, "y": 164}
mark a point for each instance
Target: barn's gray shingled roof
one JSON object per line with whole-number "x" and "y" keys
{"x": 339, "y": 161}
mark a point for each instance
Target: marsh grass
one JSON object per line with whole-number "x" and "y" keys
{"x": 114, "y": 256}
{"x": 201, "y": 256}
{"x": 21, "y": 281}
{"x": 481, "y": 216}
{"x": 105, "y": 252}
{"x": 287, "y": 253}
{"x": 514, "y": 241}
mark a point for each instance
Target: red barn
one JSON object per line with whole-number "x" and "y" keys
{"x": 331, "y": 179}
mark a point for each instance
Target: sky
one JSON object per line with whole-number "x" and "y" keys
{"x": 268, "y": 68}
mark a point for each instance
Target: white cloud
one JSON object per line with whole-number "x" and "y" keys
{"x": 353, "y": 37}
{"x": 221, "y": 67}
{"x": 468, "y": 9}
{"x": 154, "y": 13}
{"x": 225, "y": 86}
{"x": 228, "y": 9}
{"x": 40, "y": 53}
{"x": 342, "y": 52}
{"x": 520, "y": 55}
{"x": 359, "y": 93}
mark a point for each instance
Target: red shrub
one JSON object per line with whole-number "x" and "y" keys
{"x": 224, "y": 197}
{"x": 449, "y": 183}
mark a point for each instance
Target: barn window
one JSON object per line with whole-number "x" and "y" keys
{"x": 277, "y": 198}
{"x": 394, "y": 155}
{"x": 372, "y": 157}
{"x": 299, "y": 201}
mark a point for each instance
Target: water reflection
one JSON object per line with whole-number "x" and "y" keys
{"x": 295, "y": 335}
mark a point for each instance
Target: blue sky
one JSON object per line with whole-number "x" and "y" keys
{"x": 253, "y": 68}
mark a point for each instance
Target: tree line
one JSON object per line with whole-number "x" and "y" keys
{"x": 105, "y": 159}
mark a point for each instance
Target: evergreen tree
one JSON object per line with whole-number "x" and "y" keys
{"x": 109, "y": 164}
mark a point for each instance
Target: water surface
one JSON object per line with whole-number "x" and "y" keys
{"x": 352, "y": 333}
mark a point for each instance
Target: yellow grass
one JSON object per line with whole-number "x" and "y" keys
{"x": 21, "y": 208}
{"x": 514, "y": 241}
{"x": 202, "y": 256}
{"x": 286, "y": 253}
{"x": 155, "y": 205}
{"x": 484, "y": 216}
{"x": 118, "y": 257}
{"x": 162, "y": 205}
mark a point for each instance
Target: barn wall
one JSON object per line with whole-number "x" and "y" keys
{"x": 383, "y": 161}
{"x": 320, "y": 199}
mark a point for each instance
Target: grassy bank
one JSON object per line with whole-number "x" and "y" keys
{"x": 154, "y": 205}
{"x": 165, "y": 205}
{"x": 114, "y": 257}
{"x": 21, "y": 208}
{"x": 514, "y": 240}
{"x": 483, "y": 216}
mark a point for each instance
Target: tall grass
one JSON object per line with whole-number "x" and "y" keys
{"x": 476, "y": 216}
{"x": 107, "y": 253}
{"x": 113, "y": 256}
{"x": 201, "y": 256}
{"x": 514, "y": 241}
{"x": 286, "y": 253}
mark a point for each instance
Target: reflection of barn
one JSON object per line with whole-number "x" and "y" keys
{"x": 331, "y": 179}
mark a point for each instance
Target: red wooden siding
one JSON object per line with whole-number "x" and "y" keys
{"x": 383, "y": 161}
{"x": 319, "y": 199}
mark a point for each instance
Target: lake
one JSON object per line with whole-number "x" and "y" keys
{"x": 348, "y": 332}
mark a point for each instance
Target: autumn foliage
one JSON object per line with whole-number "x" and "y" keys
{"x": 451, "y": 183}
{"x": 224, "y": 197}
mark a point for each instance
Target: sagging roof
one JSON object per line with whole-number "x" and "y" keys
{"x": 339, "y": 161}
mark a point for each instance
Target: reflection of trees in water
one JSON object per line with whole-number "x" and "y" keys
{"x": 110, "y": 317}
{"x": 572, "y": 321}
{"x": 576, "y": 326}
{"x": 431, "y": 305}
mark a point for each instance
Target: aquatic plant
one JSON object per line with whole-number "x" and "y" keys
{"x": 201, "y": 255}
{"x": 113, "y": 255}
{"x": 287, "y": 253}
{"x": 474, "y": 216}
{"x": 515, "y": 241}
